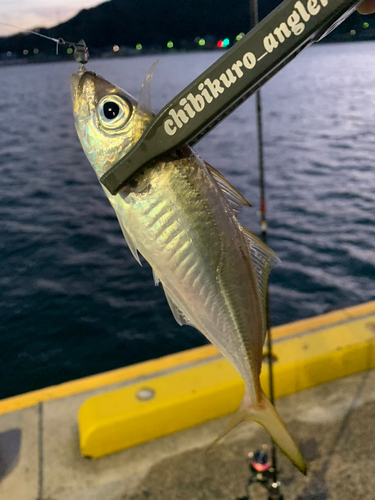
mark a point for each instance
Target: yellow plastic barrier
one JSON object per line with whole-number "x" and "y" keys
{"x": 119, "y": 419}
{"x": 326, "y": 348}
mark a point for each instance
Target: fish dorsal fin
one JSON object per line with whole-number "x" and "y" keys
{"x": 235, "y": 199}
{"x": 143, "y": 111}
{"x": 156, "y": 279}
{"x": 179, "y": 316}
{"x": 264, "y": 258}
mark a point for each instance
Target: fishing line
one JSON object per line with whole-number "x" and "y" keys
{"x": 81, "y": 52}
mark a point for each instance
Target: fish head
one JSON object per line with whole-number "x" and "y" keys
{"x": 105, "y": 118}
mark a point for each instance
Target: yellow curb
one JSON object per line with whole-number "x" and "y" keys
{"x": 118, "y": 420}
{"x": 106, "y": 379}
{"x": 171, "y": 362}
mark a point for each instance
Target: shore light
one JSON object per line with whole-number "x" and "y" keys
{"x": 36, "y": 51}
{"x": 138, "y": 46}
{"x": 9, "y": 53}
{"x": 25, "y": 52}
{"x": 116, "y": 48}
{"x": 353, "y": 32}
{"x": 170, "y": 44}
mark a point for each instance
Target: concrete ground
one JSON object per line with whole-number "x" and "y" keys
{"x": 332, "y": 423}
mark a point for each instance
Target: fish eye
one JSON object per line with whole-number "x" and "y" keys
{"x": 111, "y": 110}
{"x": 114, "y": 111}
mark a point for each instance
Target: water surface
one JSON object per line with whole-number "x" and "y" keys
{"x": 74, "y": 302}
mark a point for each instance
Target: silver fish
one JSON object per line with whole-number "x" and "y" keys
{"x": 181, "y": 216}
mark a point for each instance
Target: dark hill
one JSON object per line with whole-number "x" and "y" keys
{"x": 153, "y": 22}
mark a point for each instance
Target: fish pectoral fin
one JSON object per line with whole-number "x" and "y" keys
{"x": 156, "y": 279}
{"x": 235, "y": 199}
{"x": 265, "y": 414}
{"x": 264, "y": 258}
{"x": 179, "y": 316}
{"x": 132, "y": 246}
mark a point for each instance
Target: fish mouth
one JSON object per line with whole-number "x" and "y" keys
{"x": 77, "y": 81}
{"x": 89, "y": 83}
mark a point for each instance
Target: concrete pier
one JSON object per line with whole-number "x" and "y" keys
{"x": 333, "y": 423}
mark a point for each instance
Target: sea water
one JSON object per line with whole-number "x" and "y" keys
{"x": 73, "y": 301}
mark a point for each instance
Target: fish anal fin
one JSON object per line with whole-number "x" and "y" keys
{"x": 235, "y": 199}
{"x": 264, "y": 258}
{"x": 179, "y": 316}
{"x": 265, "y": 414}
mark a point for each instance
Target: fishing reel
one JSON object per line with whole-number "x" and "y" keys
{"x": 262, "y": 472}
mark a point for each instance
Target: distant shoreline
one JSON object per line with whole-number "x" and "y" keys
{"x": 128, "y": 53}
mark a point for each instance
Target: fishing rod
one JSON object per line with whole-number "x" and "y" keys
{"x": 234, "y": 77}
{"x": 272, "y": 470}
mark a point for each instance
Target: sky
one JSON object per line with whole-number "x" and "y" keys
{"x": 29, "y": 14}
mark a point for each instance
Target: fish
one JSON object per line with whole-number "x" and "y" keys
{"x": 181, "y": 215}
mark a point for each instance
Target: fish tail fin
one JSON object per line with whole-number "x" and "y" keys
{"x": 264, "y": 413}
{"x": 239, "y": 417}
